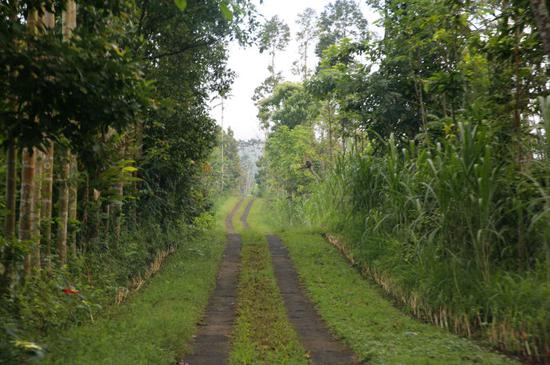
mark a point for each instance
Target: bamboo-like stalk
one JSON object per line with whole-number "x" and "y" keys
{"x": 69, "y": 23}
{"x": 117, "y": 210}
{"x": 73, "y": 201}
{"x": 63, "y": 217}
{"x": 46, "y": 207}
{"x": 48, "y": 19}
{"x": 11, "y": 207}
{"x": 37, "y": 202}
{"x": 26, "y": 206}
{"x": 69, "y": 19}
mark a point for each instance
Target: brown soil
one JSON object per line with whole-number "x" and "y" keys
{"x": 212, "y": 342}
{"x": 323, "y": 348}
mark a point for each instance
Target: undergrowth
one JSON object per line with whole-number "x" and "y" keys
{"x": 61, "y": 311}
{"x": 453, "y": 231}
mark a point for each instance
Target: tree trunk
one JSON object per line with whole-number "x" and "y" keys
{"x": 73, "y": 197}
{"x": 541, "y": 12}
{"x": 106, "y": 221}
{"x": 11, "y": 207}
{"x": 46, "y": 207}
{"x": 26, "y": 206}
{"x": 330, "y": 137}
{"x": 63, "y": 210}
{"x": 48, "y": 19}
{"x": 37, "y": 201}
{"x": 117, "y": 210}
{"x": 68, "y": 18}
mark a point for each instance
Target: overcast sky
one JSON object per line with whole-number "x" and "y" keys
{"x": 251, "y": 67}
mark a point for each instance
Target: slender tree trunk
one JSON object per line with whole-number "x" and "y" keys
{"x": 420, "y": 97}
{"x": 47, "y": 176}
{"x": 106, "y": 221}
{"x": 37, "y": 201}
{"x": 330, "y": 146}
{"x": 68, "y": 18}
{"x": 11, "y": 207}
{"x": 26, "y": 208}
{"x": 73, "y": 204}
{"x": 96, "y": 225}
{"x": 541, "y": 12}
{"x": 46, "y": 207}
{"x": 305, "y": 60}
{"x": 117, "y": 210}
{"x": 85, "y": 234}
{"x": 11, "y": 200}
{"x": 63, "y": 210}
{"x": 27, "y": 205}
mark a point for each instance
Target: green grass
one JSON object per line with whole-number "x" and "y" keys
{"x": 262, "y": 334}
{"x": 156, "y": 324}
{"x": 237, "y": 224}
{"x": 356, "y": 310}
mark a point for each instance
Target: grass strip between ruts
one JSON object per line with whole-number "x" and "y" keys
{"x": 263, "y": 334}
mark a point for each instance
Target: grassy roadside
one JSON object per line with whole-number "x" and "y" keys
{"x": 156, "y": 324}
{"x": 262, "y": 332}
{"x": 356, "y": 310}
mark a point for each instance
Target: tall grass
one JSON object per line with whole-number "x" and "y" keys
{"x": 457, "y": 231}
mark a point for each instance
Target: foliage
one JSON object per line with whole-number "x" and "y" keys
{"x": 289, "y": 104}
{"x": 430, "y": 158}
{"x": 119, "y": 105}
{"x": 231, "y": 179}
{"x": 446, "y": 213}
{"x": 286, "y": 164}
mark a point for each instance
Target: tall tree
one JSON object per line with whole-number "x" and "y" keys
{"x": 541, "y": 11}
{"x": 341, "y": 19}
{"x": 68, "y": 25}
{"x": 305, "y": 35}
{"x": 274, "y": 37}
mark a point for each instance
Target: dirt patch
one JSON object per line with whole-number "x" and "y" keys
{"x": 212, "y": 341}
{"x": 323, "y": 348}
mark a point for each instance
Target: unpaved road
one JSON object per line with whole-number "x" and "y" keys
{"x": 212, "y": 342}
{"x": 322, "y": 347}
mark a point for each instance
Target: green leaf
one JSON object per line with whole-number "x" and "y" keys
{"x": 227, "y": 14}
{"x": 181, "y": 4}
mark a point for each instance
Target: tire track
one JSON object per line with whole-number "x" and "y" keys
{"x": 229, "y": 219}
{"x": 323, "y": 348}
{"x": 246, "y": 212}
{"x": 212, "y": 341}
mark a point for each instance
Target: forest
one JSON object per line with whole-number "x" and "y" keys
{"x": 402, "y": 184}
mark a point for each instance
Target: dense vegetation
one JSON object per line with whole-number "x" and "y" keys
{"x": 108, "y": 150}
{"x": 421, "y": 144}
{"x": 426, "y": 150}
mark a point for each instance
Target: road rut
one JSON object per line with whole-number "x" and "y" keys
{"x": 212, "y": 342}
{"x": 323, "y": 348}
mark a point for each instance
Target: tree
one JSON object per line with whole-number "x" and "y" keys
{"x": 305, "y": 35}
{"x": 289, "y": 105}
{"x": 340, "y": 19}
{"x": 274, "y": 36}
{"x": 541, "y": 11}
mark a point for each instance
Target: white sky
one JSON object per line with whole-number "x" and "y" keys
{"x": 251, "y": 66}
